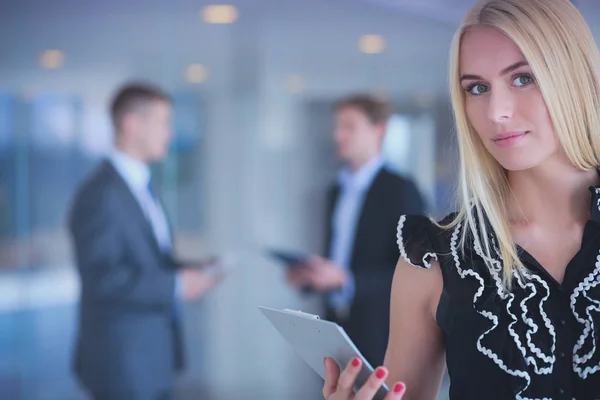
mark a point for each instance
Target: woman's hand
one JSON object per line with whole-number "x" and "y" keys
{"x": 339, "y": 386}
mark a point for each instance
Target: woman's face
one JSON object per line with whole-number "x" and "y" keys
{"x": 503, "y": 102}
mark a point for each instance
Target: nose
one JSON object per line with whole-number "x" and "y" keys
{"x": 501, "y": 105}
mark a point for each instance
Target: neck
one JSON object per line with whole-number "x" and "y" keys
{"x": 555, "y": 188}
{"x": 360, "y": 162}
{"x": 124, "y": 147}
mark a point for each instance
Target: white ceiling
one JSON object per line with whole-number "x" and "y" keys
{"x": 315, "y": 38}
{"x": 450, "y": 11}
{"x": 158, "y": 38}
{"x": 444, "y": 11}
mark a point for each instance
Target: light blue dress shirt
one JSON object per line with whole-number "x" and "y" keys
{"x": 136, "y": 175}
{"x": 354, "y": 186}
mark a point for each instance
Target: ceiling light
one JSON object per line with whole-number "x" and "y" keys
{"x": 295, "y": 83}
{"x": 219, "y": 14}
{"x": 196, "y": 73}
{"x": 52, "y": 59}
{"x": 372, "y": 44}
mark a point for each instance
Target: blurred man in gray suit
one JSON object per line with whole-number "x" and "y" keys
{"x": 129, "y": 344}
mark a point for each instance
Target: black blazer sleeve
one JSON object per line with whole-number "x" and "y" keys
{"x": 375, "y": 252}
{"x": 107, "y": 265}
{"x": 412, "y": 201}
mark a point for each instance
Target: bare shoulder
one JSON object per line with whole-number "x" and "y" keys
{"x": 421, "y": 285}
{"x": 415, "y": 353}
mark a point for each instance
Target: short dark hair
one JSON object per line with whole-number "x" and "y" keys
{"x": 131, "y": 96}
{"x": 376, "y": 109}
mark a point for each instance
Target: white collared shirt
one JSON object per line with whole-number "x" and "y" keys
{"x": 136, "y": 175}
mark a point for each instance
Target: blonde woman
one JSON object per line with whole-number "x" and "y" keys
{"x": 507, "y": 290}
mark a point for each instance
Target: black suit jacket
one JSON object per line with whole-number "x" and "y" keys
{"x": 374, "y": 257}
{"x": 128, "y": 341}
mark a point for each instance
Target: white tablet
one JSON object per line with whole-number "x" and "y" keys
{"x": 314, "y": 339}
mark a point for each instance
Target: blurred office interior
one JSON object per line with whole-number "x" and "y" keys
{"x": 254, "y": 83}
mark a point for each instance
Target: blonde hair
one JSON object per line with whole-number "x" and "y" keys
{"x": 561, "y": 51}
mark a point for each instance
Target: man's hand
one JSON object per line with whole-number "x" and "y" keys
{"x": 324, "y": 275}
{"x": 298, "y": 276}
{"x": 196, "y": 282}
{"x": 318, "y": 274}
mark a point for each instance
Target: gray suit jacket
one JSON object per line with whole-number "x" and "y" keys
{"x": 128, "y": 341}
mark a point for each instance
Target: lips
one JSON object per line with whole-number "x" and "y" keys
{"x": 508, "y": 135}
{"x": 509, "y": 139}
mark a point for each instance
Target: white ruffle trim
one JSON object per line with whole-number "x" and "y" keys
{"x": 535, "y": 356}
{"x": 535, "y": 286}
{"x": 427, "y": 257}
{"x": 589, "y": 330}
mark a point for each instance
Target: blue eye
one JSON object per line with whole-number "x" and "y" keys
{"x": 477, "y": 89}
{"x": 522, "y": 80}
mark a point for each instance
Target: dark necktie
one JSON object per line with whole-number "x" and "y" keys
{"x": 150, "y": 187}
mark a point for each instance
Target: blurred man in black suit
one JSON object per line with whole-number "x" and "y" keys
{"x": 363, "y": 210}
{"x": 129, "y": 343}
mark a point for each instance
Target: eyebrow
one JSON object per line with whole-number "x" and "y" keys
{"x": 505, "y": 71}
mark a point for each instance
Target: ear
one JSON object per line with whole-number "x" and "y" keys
{"x": 130, "y": 123}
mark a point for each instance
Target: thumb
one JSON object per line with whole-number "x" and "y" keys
{"x": 332, "y": 375}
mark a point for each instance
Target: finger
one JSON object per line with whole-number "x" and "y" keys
{"x": 368, "y": 390}
{"x": 304, "y": 273}
{"x": 296, "y": 278}
{"x": 332, "y": 374}
{"x": 314, "y": 273}
{"x": 316, "y": 282}
{"x": 289, "y": 275}
{"x": 348, "y": 376}
{"x": 308, "y": 275}
{"x": 315, "y": 261}
{"x": 397, "y": 392}
{"x": 342, "y": 278}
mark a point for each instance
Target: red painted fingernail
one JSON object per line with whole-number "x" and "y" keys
{"x": 380, "y": 373}
{"x": 355, "y": 362}
{"x": 399, "y": 388}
